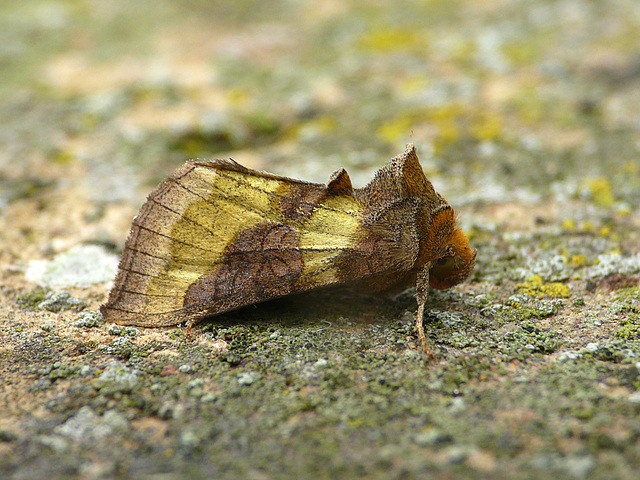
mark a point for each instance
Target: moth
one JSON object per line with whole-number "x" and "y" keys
{"x": 216, "y": 236}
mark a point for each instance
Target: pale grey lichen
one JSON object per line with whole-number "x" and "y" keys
{"x": 448, "y": 318}
{"x": 567, "y": 356}
{"x": 86, "y": 425}
{"x": 122, "y": 331}
{"x": 186, "y": 368}
{"x": 480, "y": 300}
{"x": 247, "y": 378}
{"x": 80, "y": 266}
{"x": 493, "y": 310}
{"x": 610, "y": 263}
{"x": 59, "y": 301}
{"x": 551, "y": 268}
{"x": 634, "y": 398}
{"x": 89, "y": 319}
{"x": 320, "y": 363}
{"x": 118, "y": 374}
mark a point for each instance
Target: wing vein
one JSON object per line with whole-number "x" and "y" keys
{"x": 144, "y": 294}
{"x": 180, "y": 216}
{"x": 173, "y": 239}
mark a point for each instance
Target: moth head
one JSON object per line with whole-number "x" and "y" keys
{"x": 455, "y": 263}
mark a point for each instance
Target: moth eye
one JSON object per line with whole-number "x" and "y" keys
{"x": 443, "y": 260}
{"x": 449, "y": 252}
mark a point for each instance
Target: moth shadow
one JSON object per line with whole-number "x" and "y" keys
{"x": 310, "y": 308}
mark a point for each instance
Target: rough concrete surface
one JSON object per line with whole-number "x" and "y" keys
{"x": 526, "y": 116}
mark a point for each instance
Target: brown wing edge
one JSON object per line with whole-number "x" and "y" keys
{"x": 231, "y": 165}
{"x": 138, "y": 319}
{"x": 111, "y": 310}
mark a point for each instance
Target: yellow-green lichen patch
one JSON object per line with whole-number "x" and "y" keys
{"x": 396, "y": 128}
{"x": 631, "y": 293}
{"x": 629, "y": 327}
{"x": 486, "y": 126}
{"x": 578, "y": 260}
{"x": 445, "y": 124}
{"x": 534, "y": 286}
{"x": 31, "y": 299}
{"x": 387, "y": 39}
{"x": 601, "y": 191}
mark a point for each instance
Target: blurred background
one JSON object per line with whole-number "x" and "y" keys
{"x": 506, "y": 101}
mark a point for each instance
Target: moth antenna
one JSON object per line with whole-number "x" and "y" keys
{"x": 442, "y": 208}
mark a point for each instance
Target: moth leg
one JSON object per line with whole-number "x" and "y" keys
{"x": 422, "y": 289}
{"x": 190, "y": 323}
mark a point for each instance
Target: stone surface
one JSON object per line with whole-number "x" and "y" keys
{"x": 525, "y": 116}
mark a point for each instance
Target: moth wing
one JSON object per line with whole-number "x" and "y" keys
{"x": 216, "y": 236}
